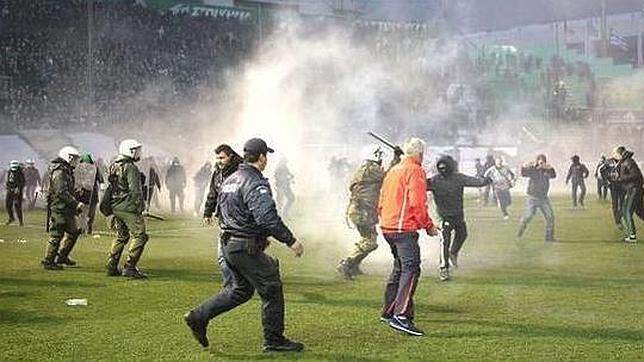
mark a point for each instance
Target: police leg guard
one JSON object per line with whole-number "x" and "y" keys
{"x": 67, "y": 245}
{"x": 136, "y": 250}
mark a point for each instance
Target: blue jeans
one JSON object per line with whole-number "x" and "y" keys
{"x": 532, "y": 205}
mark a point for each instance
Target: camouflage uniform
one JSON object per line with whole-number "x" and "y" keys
{"x": 63, "y": 208}
{"x": 365, "y": 191}
{"x": 127, "y": 205}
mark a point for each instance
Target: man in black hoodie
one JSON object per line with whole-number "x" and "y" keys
{"x": 15, "y": 185}
{"x": 629, "y": 177}
{"x": 447, "y": 187}
{"x": 226, "y": 163}
{"x": 577, "y": 174}
{"x": 539, "y": 173}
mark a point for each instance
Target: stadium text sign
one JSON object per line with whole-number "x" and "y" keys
{"x": 213, "y": 11}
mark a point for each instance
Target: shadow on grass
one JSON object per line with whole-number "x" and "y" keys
{"x": 294, "y": 357}
{"x": 25, "y": 317}
{"x": 19, "y": 282}
{"x": 538, "y": 331}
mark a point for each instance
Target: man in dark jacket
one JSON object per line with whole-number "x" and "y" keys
{"x": 608, "y": 171}
{"x": 200, "y": 180}
{"x": 226, "y": 163}
{"x": 577, "y": 173}
{"x": 63, "y": 208}
{"x": 602, "y": 183}
{"x": 175, "y": 181}
{"x": 15, "y": 184}
{"x": 32, "y": 182}
{"x": 247, "y": 217}
{"x": 447, "y": 187}
{"x": 629, "y": 177}
{"x": 539, "y": 173}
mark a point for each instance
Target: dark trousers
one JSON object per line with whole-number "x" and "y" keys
{"x": 284, "y": 198}
{"x": 13, "y": 203}
{"x": 91, "y": 213}
{"x": 505, "y": 199}
{"x": 617, "y": 200}
{"x": 174, "y": 195}
{"x": 453, "y": 236}
{"x": 602, "y": 189}
{"x": 30, "y": 195}
{"x": 250, "y": 272}
{"x": 632, "y": 198}
{"x": 199, "y": 195}
{"x": 402, "y": 282}
{"x": 582, "y": 195}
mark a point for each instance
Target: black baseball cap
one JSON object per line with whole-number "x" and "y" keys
{"x": 257, "y": 146}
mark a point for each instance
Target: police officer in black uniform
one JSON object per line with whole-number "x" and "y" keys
{"x": 247, "y": 217}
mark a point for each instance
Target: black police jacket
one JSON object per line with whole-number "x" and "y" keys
{"x": 245, "y": 207}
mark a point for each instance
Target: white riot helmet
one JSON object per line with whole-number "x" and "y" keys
{"x": 372, "y": 152}
{"x": 70, "y": 155}
{"x": 129, "y": 147}
{"x": 14, "y": 164}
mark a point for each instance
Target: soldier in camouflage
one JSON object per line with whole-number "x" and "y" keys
{"x": 127, "y": 206}
{"x": 365, "y": 191}
{"x": 62, "y": 210}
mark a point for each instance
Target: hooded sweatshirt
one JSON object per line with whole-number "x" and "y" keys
{"x": 448, "y": 188}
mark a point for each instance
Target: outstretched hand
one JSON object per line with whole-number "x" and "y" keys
{"x": 298, "y": 249}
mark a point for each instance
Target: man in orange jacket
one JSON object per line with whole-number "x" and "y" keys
{"x": 402, "y": 210}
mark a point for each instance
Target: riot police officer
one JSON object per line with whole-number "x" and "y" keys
{"x": 127, "y": 205}
{"x": 62, "y": 207}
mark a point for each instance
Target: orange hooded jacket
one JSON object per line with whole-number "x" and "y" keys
{"x": 402, "y": 206}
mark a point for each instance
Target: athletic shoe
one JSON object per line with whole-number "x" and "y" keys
{"x": 197, "y": 327}
{"x": 403, "y": 324}
{"x": 385, "y": 319}
{"x": 443, "y": 274}
{"x": 631, "y": 239}
{"x": 283, "y": 345}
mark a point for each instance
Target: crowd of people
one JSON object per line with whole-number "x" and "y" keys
{"x": 126, "y": 62}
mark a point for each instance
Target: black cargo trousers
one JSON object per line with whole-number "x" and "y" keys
{"x": 252, "y": 270}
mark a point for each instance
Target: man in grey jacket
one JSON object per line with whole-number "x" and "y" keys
{"x": 539, "y": 173}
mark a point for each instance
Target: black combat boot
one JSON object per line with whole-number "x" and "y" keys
{"x": 65, "y": 261}
{"x": 133, "y": 272}
{"x": 48, "y": 264}
{"x": 112, "y": 269}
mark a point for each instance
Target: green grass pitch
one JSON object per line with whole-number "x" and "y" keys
{"x": 579, "y": 299}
